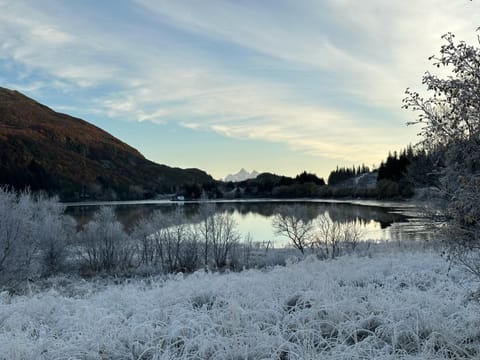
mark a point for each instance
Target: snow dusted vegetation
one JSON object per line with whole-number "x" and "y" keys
{"x": 394, "y": 304}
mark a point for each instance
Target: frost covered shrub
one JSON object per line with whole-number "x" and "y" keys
{"x": 33, "y": 236}
{"x": 103, "y": 244}
{"x": 148, "y": 246}
{"x": 17, "y": 235}
{"x": 219, "y": 236}
{"x": 189, "y": 254}
{"x": 54, "y": 233}
{"x": 223, "y": 239}
{"x": 331, "y": 238}
{"x": 166, "y": 244}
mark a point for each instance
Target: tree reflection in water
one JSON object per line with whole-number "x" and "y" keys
{"x": 379, "y": 221}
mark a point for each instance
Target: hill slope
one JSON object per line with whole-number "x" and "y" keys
{"x": 46, "y": 150}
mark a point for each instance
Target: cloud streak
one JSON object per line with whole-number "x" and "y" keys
{"x": 175, "y": 64}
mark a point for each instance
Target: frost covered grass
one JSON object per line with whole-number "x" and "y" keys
{"x": 402, "y": 305}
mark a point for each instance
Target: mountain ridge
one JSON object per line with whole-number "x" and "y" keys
{"x": 242, "y": 175}
{"x": 70, "y": 157}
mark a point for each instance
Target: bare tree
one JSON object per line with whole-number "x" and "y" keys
{"x": 329, "y": 235}
{"x": 167, "y": 243}
{"x": 170, "y": 241}
{"x": 332, "y": 236}
{"x": 292, "y": 222}
{"x": 223, "y": 238}
{"x": 219, "y": 234}
{"x": 104, "y": 244}
{"x": 245, "y": 252}
{"x": 204, "y": 229}
{"x": 143, "y": 236}
{"x": 352, "y": 234}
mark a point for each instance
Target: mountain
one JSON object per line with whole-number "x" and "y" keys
{"x": 242, "y": 175}
{"x": 45, "y": 150}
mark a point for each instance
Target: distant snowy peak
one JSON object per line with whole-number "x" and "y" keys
{"x": 241, "y": 176}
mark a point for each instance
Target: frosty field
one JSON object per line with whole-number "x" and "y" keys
{"x": 393, "y": 305}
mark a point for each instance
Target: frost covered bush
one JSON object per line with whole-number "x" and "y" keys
{"x": 220, "y": 237}
{"x": 54, "y": 234}
{"x": 450, "y": 120}
{"x": 332, "y": 237}
{"x": 223, "y": 238}
{"x": 148, "y": 245}
{"x": 17, "y": 235}
{"x": 33, "y": 236}
{"x": 405, "y": 305}
{"x": 103, "y": 244}
{"x": 167, "y": 244}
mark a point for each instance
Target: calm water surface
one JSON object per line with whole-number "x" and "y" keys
{"x": 393, "y": 221}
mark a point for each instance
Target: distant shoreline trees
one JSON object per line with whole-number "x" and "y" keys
{"x": 342, "y": 174}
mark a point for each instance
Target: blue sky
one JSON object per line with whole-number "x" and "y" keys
{"x": 278, "y": 86}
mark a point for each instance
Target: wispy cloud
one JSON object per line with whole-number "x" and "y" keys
{"x": 373, "y": 47}
{"x": 39, "y": 42}
{"x": 260, "y": 112}
{"x": 175, "y": 64}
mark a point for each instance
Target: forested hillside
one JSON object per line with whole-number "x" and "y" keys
{"x": 45, "y": 150}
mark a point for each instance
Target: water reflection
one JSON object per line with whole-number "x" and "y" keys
{"x": 379, "y": 221}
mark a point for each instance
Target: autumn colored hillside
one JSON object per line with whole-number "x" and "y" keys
{"x": 45, "y": 150}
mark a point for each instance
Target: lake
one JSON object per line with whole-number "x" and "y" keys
{"x": 379, "y": 220}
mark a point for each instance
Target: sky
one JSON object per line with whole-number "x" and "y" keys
{"x": 271, "y": 85}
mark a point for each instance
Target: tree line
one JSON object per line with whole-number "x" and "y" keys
{"x": 343, "y": 174}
